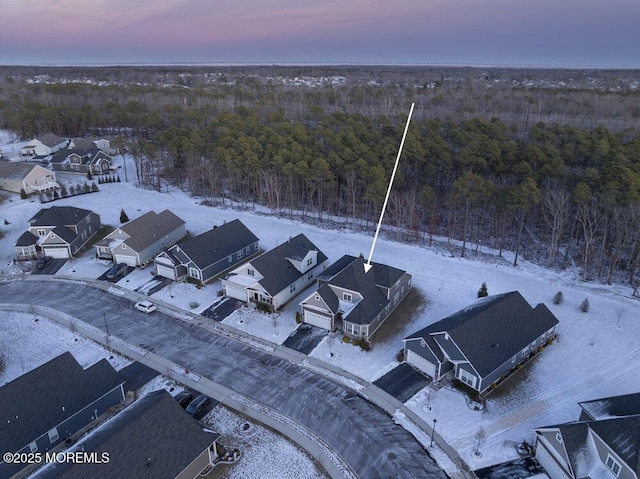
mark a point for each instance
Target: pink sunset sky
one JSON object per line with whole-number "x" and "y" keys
{"x": 501, "y": 32}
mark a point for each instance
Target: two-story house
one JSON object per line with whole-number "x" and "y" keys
{"x": 16, "y": 176}
{"x": 278, "y": 275}
{"x": 603, "y": 443}
{"x": 44, "y": 145}
{"x": 81, "y": 161}
{"x": 483, "y": 342}
{"x": 355, "y": 300}
{"x": 138, "y": 241}
{"x": 208, "y": 255}
{"x": 58, "y": 232}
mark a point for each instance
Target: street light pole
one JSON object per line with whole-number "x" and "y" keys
{"x": 433, "y": 431}
{"x": 106, "y": 326}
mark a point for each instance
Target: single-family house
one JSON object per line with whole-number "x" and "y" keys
{"x": 482, "y": 343}
{"x": 47, "y": 405}
{"x": 153, "y": 437}
{"x": 278, "y": 275}
{"x": 103, "y": 144}
{"x": 16, "y": 176}
{"x": 59, "y": 232}
{"x": 356, "y": 301}
{"x": 603, "y": 443}
{"x": 206, "y": 256}
{"x": 138, "y": 241}
{"x": 74, "y": 160}
{"x": 44, "y": 145}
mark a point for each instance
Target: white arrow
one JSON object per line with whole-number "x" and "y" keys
{"x": 368, "y": 266}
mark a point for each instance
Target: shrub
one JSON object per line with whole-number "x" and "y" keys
{"x": 123, "y": 217}
{"x": 558, "y": 298}
{"x": 220, "y": 293}
{"x": 72, "y": 190}
{"x": 194, "y": 304}
{"x": 298, "y": 317}
{"x": 89, "y": 175}
{"x": 63, "y": 191}
{"x": 482, "y": 292}
{"x": 400, "y": 356}
{"x": 346, "y": 339}
{"x": 263, "y": 307}
{"x": 584, "y": 307}
{"x": 86, "y": 188}
{"x": 23, "y": 194}
{"x": 6, "y": 222}
{"x": 364, "y": 345}
{"x": 118, "y": 180}
{"x": 94, "y": 187}
{"x": 56, "y": 195}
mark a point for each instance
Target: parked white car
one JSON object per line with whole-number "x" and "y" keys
{"x": 145, "y": 306}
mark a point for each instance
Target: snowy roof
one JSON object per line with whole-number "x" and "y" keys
{"x": 50, "y": 140}
{"x": 154, "y": 437}
{"x": 493, "y": 329}
{"x": 149, "y": 228}
{"x": 59, "y": 216}
{"x": 26, "y": 239}
{"x": 41, "y": 399}
{"x": 626, "y": 405}
{"x": 15, "y": 170}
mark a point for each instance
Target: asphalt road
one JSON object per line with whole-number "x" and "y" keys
{"x": 360, "y": 432}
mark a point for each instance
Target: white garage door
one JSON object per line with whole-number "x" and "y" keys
{"x": 421, "y": 363}
{"x": 234, "y": 291}
{"x": 317, "y": 320}
{"x": 546, "y": 460}
{"x": 166, "y": 271}
{"x": 128, "y": 260}
{"x": 56, "y": 252}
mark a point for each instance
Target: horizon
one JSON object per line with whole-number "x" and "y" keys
{"x": 501, "y": 33}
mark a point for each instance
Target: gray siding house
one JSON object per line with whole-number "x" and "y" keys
{"x": 44, "y": 145}
{"x": 483, "y": 342}
{"x": 44, "y": 407}
{"x": 153, "y": 437}
{"x": 137, "y": 242}
{"x": 208, "y": 255}
{"x": 604, "y": 442}
{"x": 355, "y": 301}
{"x": 278, "y": 275}
{"x": 59, "y": 232}
{"x": 74, "y": 160}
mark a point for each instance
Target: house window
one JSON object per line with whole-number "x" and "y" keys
{"x": 402, "y": 290}
{"x": 513, "y": 359}
{"x": 124, "y": 246}
{"x": 347, "y": 297}
{"x": 53, "y": 435}
{"x": 33, "y": 447}
{"x": 317, "y": 297}
{"x": 41, "y": 232}
{"x": 194, "y": 273}
{"x": 524, "y": 351}
{"x": 613, "y": 465}
{"x": 309, "y": 276}
{"x": 353, "y": 329}
{"x": 240, "y": 254}
{"x": 396, "y": 298}
{"x": 559, "y": 437}
{"x": 230, "y": 258}
{"x": 292, "y": 288}
{"x": 251, "y": 272}
{"x": 467, "y": 378}
{"x": 309, "y": 261}
{"x": 247, "y": 250}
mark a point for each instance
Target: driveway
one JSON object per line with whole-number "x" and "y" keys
{"x": 103, "y": 276}
{"x": 219, "y": 311}
{"x": 52, "y": 268}
{"x": 362, "y": 433}
{"x": 136, "y": 375}
{"x": 305, "y": 338}
{"x": 402, "y": 382}
{"x": 516, "y": 469}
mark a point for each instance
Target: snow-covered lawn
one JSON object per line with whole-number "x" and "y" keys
{"x": 29, "y": 341}
{"x": 265, "y": 454}
{"x": 592, "y": 358}
{"x": 185, "y": 295}
{"x": 274, "y": 327}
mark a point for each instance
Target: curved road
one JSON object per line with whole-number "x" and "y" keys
{"x": 365, "y": 437}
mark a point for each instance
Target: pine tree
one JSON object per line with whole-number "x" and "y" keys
{"x": 584, "y": 307}
{"x": 63, "y": 191}
{"x": 94, "y": 187}
{"x": 23, "y": 194}
{"x": 123, "y": 217}
{"x": 89, "y": 175}
{"x": 482, "y": 292}
{"x": 558, "y": 298}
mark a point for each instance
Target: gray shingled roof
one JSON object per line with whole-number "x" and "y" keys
{"x": 494, "y": 329}
{"x": 617, "y": 406}
{"x": 88, "y": 155}
{"x": 37, "y": 398}
{"x": 154, "y": 427}
{"x": 84, "y": 143}
{"x": 59, "y": 216}
{"x": 15, "y": 170}
{"x": 65, "y": 234}
{"x": 27, "y": 239}
{"x": 50, "y": 140}
{"x": 148, "y": 228}
{"x": 277, "y": 270}
{"x": 329, "y": 297}
{"x": 214, "y": 245}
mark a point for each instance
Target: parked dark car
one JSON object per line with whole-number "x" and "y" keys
{"x": 116, "y": 270}
{"x": 183, "y": 398}
{"x": 44, "y": 261}
{"x": 196, "y": 407}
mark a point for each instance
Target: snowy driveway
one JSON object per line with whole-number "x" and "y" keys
{"x": 360, "y": 432}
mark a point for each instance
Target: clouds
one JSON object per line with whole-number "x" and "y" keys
{"x": 413, "y": 31}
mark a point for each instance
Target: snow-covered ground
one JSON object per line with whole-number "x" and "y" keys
{"x": 595, "y": 354}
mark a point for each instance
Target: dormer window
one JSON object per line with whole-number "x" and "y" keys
{"x": 613, "y": 465}
{"x": 309, "y": 261}
{"x": 250, "y": 272}
{"x": 347, "y": 297}
{"x": 41, "y": 232}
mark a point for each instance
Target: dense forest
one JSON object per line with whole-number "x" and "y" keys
{"x": 546, "y": 164}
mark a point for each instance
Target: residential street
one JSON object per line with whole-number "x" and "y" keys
{"x": 361, "y": 433}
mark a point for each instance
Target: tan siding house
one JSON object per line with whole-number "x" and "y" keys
{"x": 15, "y": 176}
